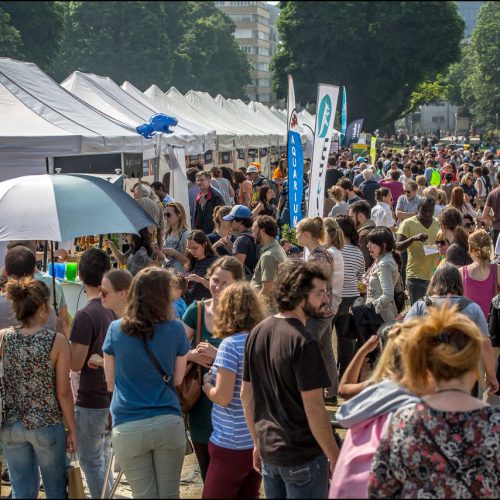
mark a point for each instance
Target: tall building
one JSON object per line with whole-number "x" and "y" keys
{"x": 257, "y": 35}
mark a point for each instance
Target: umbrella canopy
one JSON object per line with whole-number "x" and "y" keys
{"x": 63, "y": 207}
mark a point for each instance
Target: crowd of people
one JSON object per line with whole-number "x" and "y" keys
{"x": 215, "y": 331}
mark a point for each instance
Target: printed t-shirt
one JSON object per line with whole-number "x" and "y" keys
{"x": 89, "y": 328}
{"x": 139, "y": 389}
{"x": 420, "y": 266}
{"x": 230, "y": 428}
{"x": 282, "y": 358}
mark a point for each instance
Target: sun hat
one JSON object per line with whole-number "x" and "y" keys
{"x": 252, "y": 168}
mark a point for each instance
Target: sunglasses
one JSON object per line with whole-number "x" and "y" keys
{"x": 169, "y": 214}
{"x": 104, "y": 292}
{"x": 468, "y": 225}
{"x": 408, "y": 192}
{"x": 440, "y": 242}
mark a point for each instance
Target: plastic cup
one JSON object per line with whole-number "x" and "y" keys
{"x": 60, "y": 270}
{"x": 49, "y": 269}
{"x": 71, "y": 270}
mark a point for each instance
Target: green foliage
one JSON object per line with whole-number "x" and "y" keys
{"x": 381, "y": 51}
{"x": 10, "y": 38}
{"x": 185, "y": 44}
{"x": 208, "y": 57}
{"x": 289, "y": 233}
{"x": 40, "y": 26}
{"x": 482, "y": 86}
{"x": 429, "y": 92}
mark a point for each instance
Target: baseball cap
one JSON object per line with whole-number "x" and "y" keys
{"x": 360, "y": 159}
{"x": 252, "y": 168}
{"x": 238, "y": 212}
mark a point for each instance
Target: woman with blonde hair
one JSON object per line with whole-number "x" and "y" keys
{"x": 369, "y": 410}
{"x": 481, "y": 278}
{"x": 337, "y": 194}
{"x": 174, "y": 246}
{"x": 447, "y": 445}
{"x": 231, "y": 473}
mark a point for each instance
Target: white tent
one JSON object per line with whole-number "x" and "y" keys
{"x": 246, "y": 135}
{"x": 40, "y": 120}
{"x": 104, "y": 94}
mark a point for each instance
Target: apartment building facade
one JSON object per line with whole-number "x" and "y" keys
{"x": 257, "y": 35}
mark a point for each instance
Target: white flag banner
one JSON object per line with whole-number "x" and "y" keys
{"x": 293, "y": 119}
{"x": 325, "y": 116}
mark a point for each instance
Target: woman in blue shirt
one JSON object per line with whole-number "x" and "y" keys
{"x": 230, "y": 472}
{"x": 148, "y": 429}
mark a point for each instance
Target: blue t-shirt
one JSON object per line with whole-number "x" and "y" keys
{"x": 230, "y": 429}
{"x": 180, "y": 307}
{"x": 139, "y": 389}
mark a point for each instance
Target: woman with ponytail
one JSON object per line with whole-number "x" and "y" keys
{"x": 148, "y": 433}
{"x": 481, "y": 278}
{"x": 310, "y": 231}
{"x": 37, "y": 398}
{"x": 448, "y": 445}
{"x": 452, "y": 225}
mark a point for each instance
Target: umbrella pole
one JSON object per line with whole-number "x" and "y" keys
{"x": 53, "y": 277}
{"x": 45, "y": 247}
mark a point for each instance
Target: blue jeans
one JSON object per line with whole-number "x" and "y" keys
{"x": 94, "y": 447}
{"x": 309, "y": 480}
{"x": 26, "y": 450}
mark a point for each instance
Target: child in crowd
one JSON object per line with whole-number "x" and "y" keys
{"x": 179, "y": 288}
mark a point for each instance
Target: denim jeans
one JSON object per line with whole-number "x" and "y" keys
{"x": 26, "y": 450}
{"x": 309, "y": 480}
{"x": 417, "y": 289}
{"x": 94, "y": 447}
{"x": 151, "y": 453}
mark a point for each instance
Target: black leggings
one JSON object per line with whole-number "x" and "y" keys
{"x": 203, "y": 457}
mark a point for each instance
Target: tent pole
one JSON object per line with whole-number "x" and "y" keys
{"x": 53, "y": 277}
{"x": 45, "y": 248}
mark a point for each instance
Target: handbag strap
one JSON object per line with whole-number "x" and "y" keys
{"x": 200, "y": 311}
{"x": 167, "y": 379}
{"x": 457, "y": 475}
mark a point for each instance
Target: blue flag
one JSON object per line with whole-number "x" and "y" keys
{"x": 343, "y": 122}
{"x": 295, "y": 177}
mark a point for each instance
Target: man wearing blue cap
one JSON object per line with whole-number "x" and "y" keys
{"x": 244, "y": 247}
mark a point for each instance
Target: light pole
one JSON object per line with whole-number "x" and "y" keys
{"x": 496, "y": 127}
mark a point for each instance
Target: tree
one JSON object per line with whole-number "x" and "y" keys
{"x": 481, "y": 88}
{"x": 381, "y": 51}
{"x": 122, "y": 40}
{"x": 41, "y": 28}
{"x": 10, "y": 38}
{"x": 208, "y": 58}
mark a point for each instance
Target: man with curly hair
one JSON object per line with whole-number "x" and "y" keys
{"x": 284, "y": 377}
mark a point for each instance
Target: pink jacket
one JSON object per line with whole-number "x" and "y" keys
{"x": 350, "y": 478}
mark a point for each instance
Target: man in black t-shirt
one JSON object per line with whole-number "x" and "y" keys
{"x": 93, "y": 399}
{"x": 282, "y": 393}
{"x": 244, "y": 246}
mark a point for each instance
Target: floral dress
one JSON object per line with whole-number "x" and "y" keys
{"x": 456, "y": 455}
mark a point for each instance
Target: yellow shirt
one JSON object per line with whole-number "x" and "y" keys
{"x": 420, "y": 266}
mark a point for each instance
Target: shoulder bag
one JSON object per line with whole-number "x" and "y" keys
{"x": 189, "y": 391}
{"x": 168, "y": 380}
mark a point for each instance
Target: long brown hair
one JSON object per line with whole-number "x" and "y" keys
{"x": 148, "y": 302}
{"x": 457, "y": 199}
{"x": 27, "y": 295}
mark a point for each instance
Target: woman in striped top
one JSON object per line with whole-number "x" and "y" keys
{"x": 354, "y": 268}
{"x": 231, "y": 473}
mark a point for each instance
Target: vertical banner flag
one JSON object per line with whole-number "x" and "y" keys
{"x": 295, "y": 177}
{"x": 353, "y": 132}
{"x": 343, "y": 121}
{"x": 293, "y": 119}
{"x": 373, "y": 149}
{"x": 326, "y": 106}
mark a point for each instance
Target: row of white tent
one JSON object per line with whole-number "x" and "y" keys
{"x": 89, "y": 114}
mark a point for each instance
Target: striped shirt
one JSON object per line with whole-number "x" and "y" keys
{"x": 354, "y": 268}
{"x": 230, "y": 429}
